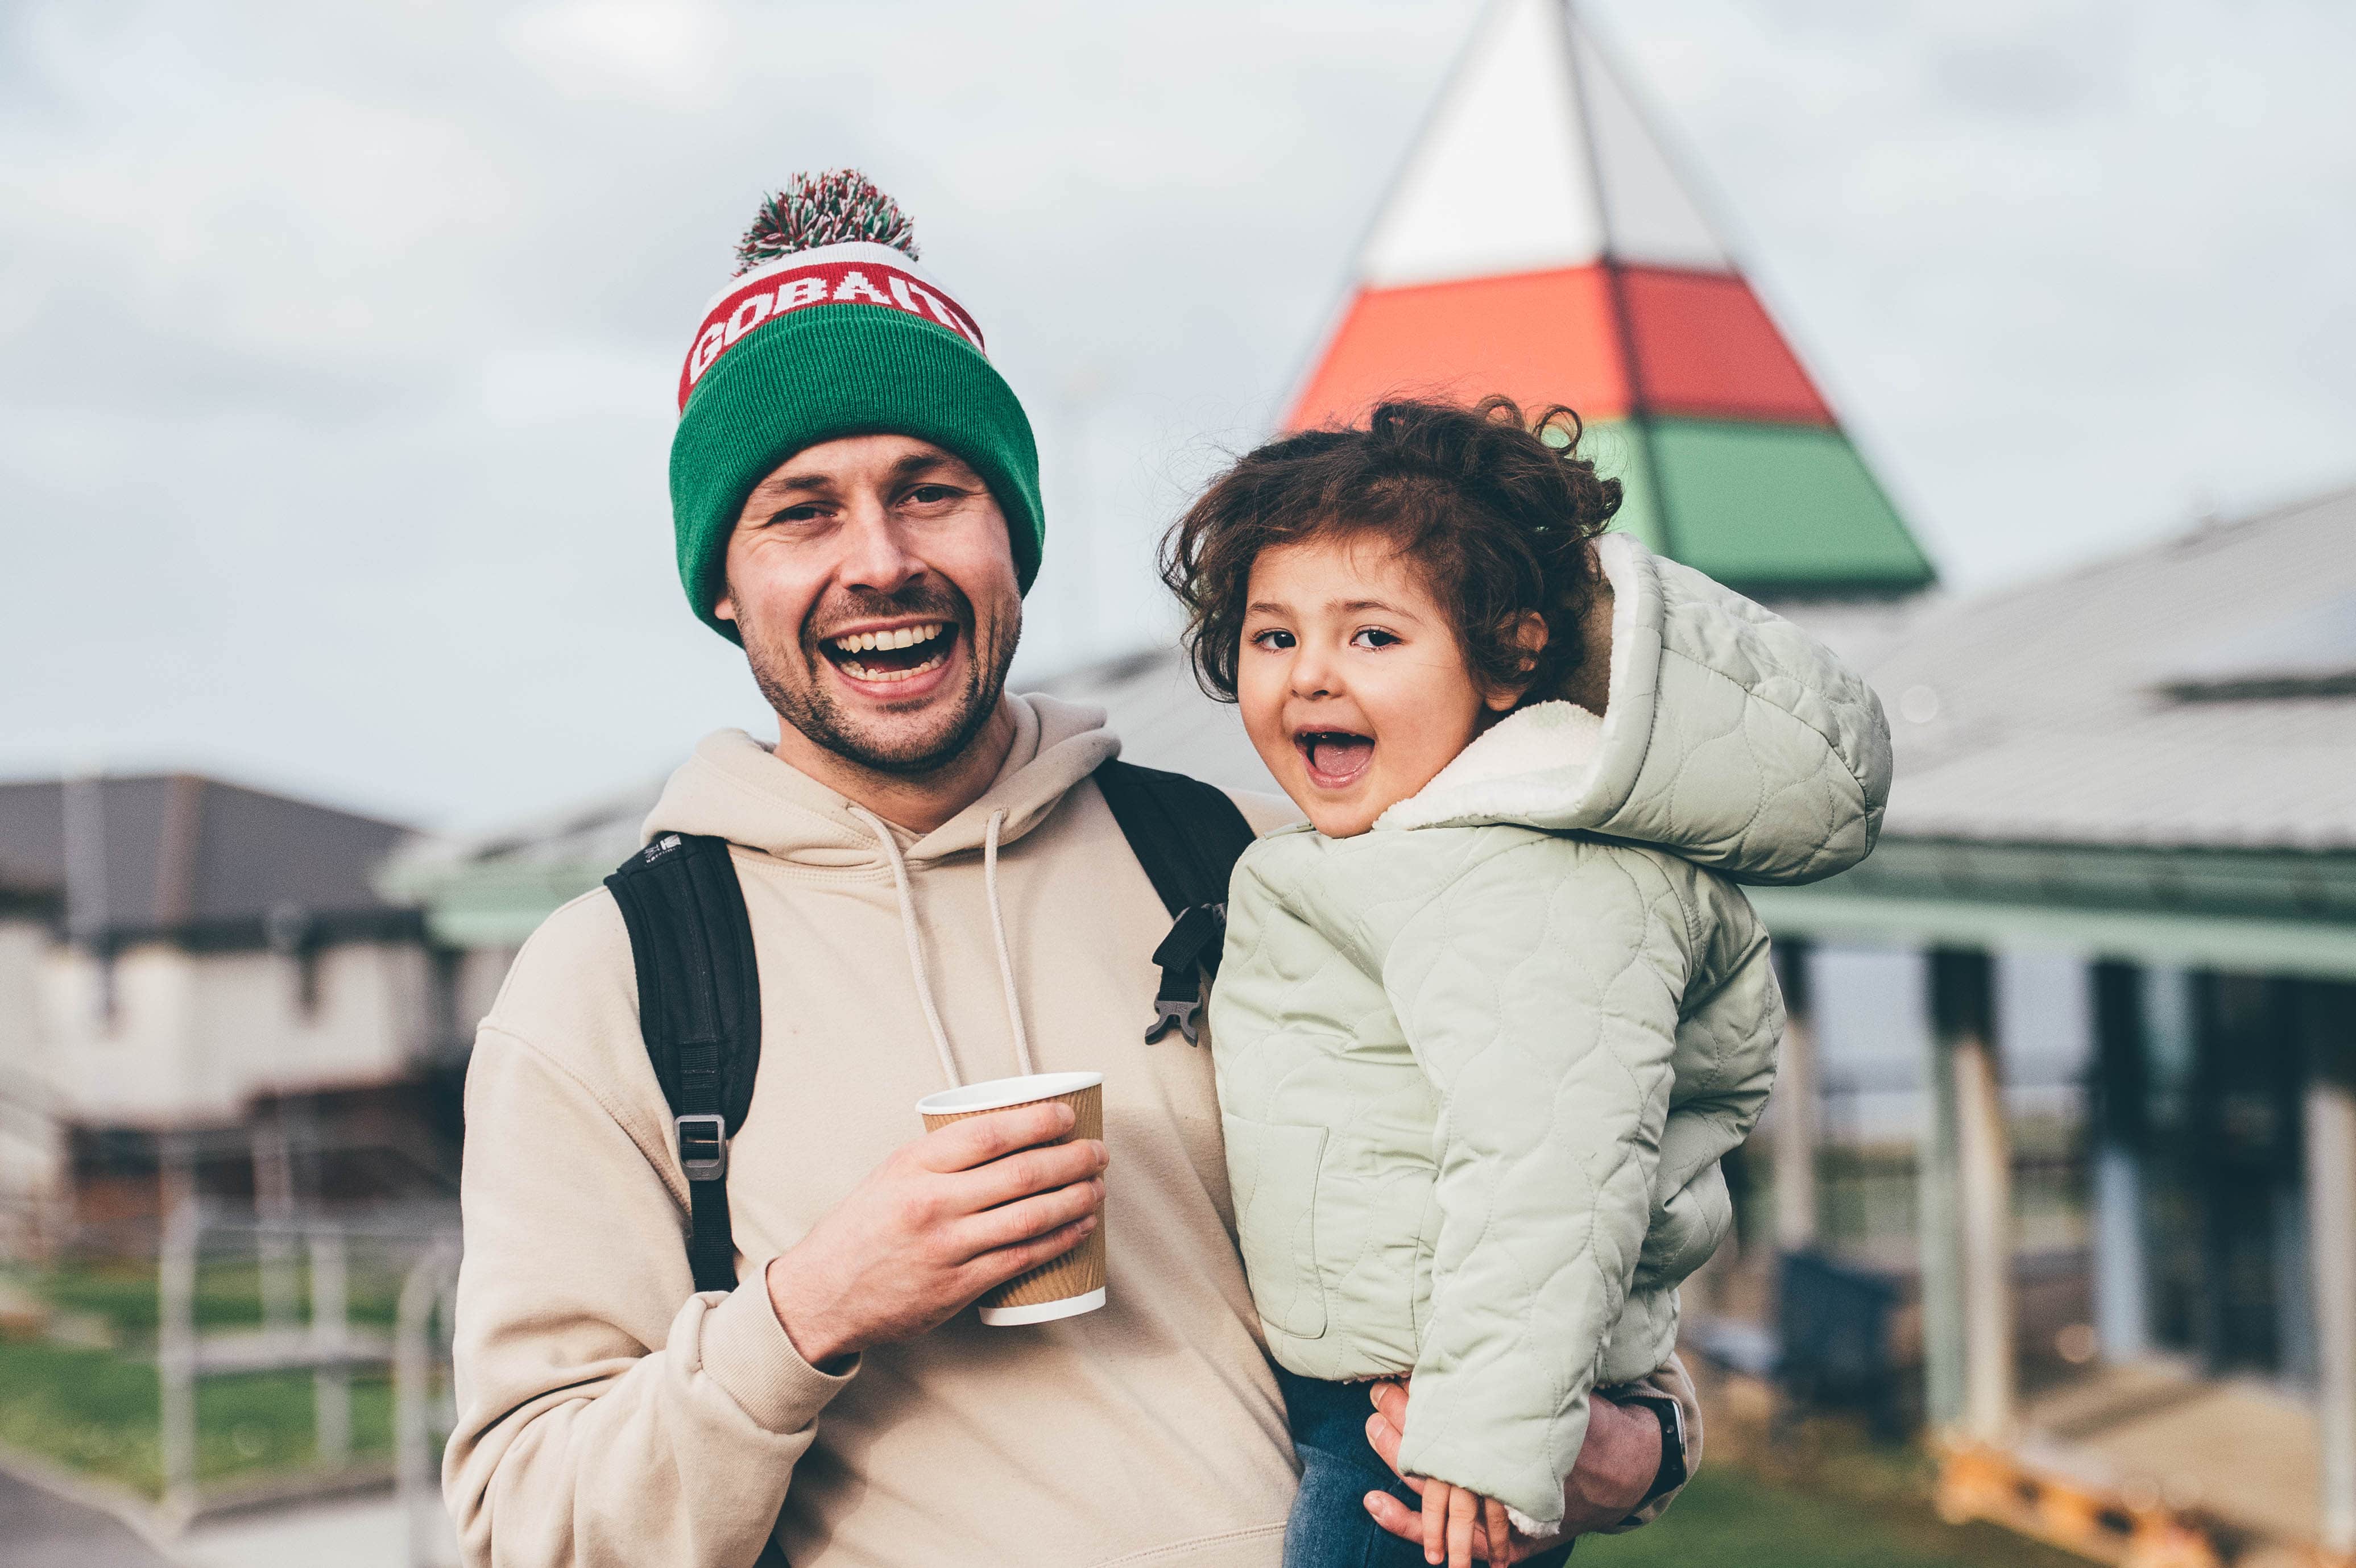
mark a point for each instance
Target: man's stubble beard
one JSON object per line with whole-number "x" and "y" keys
{"x": 788, "y": 678}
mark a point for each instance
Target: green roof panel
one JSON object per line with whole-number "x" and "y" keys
{"x": 1768, "y": 509}
{"x": 1780, "y": 508}
{"x": 1617, "y": 449}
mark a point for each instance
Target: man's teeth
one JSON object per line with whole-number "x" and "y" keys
{"x": 898, "y": 637}
{"x": 864, "y": 672}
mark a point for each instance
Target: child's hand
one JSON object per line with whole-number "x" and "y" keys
{"x": 1449, "y": 1514}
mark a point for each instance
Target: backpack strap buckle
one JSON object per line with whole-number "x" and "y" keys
{"x": 1167, "y": 1011}
{"x": 702, "y": 1145}
{"x": 1185, "y": 834}
{"x": 1188, "y": 956}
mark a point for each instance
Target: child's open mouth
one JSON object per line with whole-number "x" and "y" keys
{"x": 901, "y": 652}
{"x": 1336, "y": 758}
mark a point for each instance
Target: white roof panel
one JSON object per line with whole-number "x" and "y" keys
{"x": 2312, "y": 650}
{"x": 1649, "y": 215}
{"x": 1499, "y": 181}
{"x": 1505, "y": 175}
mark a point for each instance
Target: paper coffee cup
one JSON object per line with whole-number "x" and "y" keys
{"x": 1074, "y": 1283}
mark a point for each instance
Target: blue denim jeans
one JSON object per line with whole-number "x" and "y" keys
{"x": 1330, "y": 1527}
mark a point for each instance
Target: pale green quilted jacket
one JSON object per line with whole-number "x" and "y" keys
{"x": 1478, "y": 1064}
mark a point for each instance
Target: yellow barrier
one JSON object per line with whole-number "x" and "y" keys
{"x": 1976, "y": 1481}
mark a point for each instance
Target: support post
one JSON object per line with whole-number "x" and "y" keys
{"x": 2122, "y": 1125}
{"x": 331, "y": 1384}
{"x": 175, "y": 1327}
{"x": 1796, "y": 1107}
{"x": 1963, "y": 1026}
{"x": 420, "y": 1381}
{"x": 1985, "y": 1200}
{"x": 273, "y": 1204}
{"x": 1938, "y": 1227}
{"x": 2330, "y": 1118}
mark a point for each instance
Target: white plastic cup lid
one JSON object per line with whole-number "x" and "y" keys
{"x": 999, "y": 1092}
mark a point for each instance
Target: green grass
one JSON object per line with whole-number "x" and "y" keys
{"x": 98, "y": 1410}
{"x": 1729, "y": 1516}
{"x": 228, "y": 1294}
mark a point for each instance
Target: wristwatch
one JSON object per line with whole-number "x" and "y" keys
{"x": 1672, "y": 1473}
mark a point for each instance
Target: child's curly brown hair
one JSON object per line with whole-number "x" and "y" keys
{"x": 1496, "y": 511}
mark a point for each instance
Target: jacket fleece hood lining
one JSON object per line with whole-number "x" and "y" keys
{"x": 1589, "y": 786}
{"x": 1540, "y": 767}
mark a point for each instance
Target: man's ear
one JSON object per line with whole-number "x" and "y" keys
{"x": 1530, "y": 637}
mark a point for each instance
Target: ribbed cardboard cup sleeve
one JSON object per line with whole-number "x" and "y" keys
{"x": 1063, "y": 1286}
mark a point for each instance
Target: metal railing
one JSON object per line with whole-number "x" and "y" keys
{"x": 313, "y": 1256}
{"x": 425, "y": 1405}
{"x": 1867, "y": 1177}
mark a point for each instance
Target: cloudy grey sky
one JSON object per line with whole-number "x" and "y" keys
{"x": 340, "y": 339}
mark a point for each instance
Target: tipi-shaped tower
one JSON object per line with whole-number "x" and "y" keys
{"x": 1538, "y": 243}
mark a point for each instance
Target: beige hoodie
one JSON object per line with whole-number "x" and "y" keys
{"x": 610, "y": 1415}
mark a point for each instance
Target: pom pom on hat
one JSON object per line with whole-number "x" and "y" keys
{"x": 836, "y": 208}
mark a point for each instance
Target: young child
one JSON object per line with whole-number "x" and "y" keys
{"x": 1485, "y": 1024}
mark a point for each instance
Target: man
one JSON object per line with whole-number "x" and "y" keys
{"x": 937, "y": 893}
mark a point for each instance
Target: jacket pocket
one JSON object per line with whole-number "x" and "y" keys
{"x": 1273, "y": 1169}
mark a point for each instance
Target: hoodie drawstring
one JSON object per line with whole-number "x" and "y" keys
{"x": 998, "y": 930}
{"x": 917, "y": 966}
{"x": 916, "y": 943}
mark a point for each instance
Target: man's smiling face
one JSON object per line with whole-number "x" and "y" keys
{"x": 874, "y": 584}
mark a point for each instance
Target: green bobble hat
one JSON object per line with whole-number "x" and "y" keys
{"x": 829, "y": 330}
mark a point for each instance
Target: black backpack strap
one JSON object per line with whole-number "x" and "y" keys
{"x": 1188, "y": 836}
{"x": 699, "y": 1010}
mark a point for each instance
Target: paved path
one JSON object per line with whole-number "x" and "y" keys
{"x": 44, "y": 1528}
{"x": 44, "y": 1525}
{"x": 351, "y": 1532}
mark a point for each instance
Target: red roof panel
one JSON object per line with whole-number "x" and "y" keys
{"x": 1707, "y": 349}
{"x": 1538, "y": 338}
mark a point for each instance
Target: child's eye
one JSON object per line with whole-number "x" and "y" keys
{"x": 1373, "y": 637}
{"x": 1275, "y": 640}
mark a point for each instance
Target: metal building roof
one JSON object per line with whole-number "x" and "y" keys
{"x": 180, "y": 853}
{"x": 494, "y": 890}
{"x": 2193, "y": 694}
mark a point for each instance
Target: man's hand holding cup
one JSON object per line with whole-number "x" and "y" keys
{"x": 946, "y": 1218}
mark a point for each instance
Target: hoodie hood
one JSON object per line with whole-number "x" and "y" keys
{"x": 735, "y": 788}
{"x": 738, "y": 789}
{"x": 1730, "y": 737}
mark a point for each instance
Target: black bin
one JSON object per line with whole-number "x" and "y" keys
{"x": 1835, "y": 1322}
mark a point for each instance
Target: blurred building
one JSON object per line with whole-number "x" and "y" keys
{"x": 483, "y": 897}
{"x": 32, "y": 1143}
{"x": 198, "y": 973}
{"x": 2147, "y": 768}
